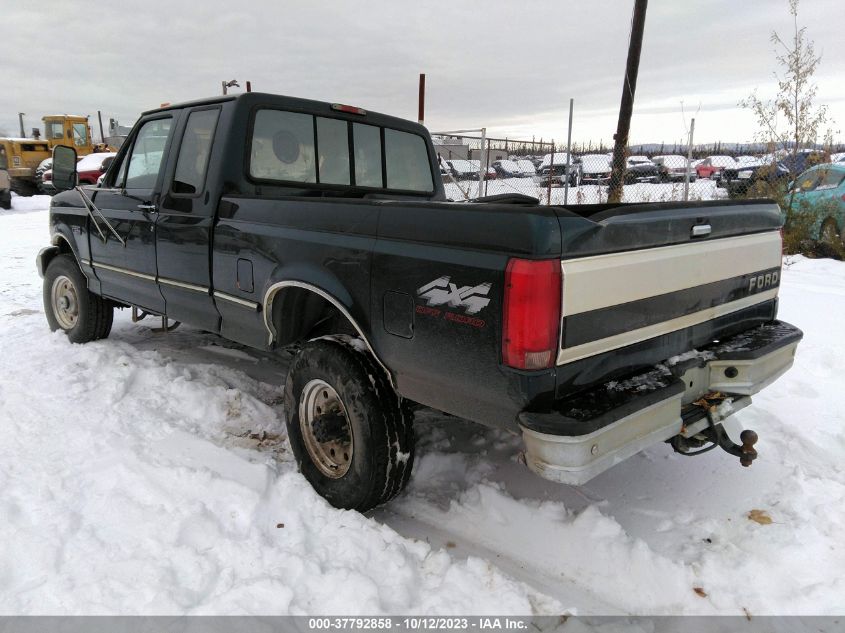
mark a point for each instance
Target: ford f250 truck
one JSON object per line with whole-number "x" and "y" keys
{"x": 323, "y": 230}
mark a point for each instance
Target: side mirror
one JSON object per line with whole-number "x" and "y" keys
{"x": 64, "y": 168}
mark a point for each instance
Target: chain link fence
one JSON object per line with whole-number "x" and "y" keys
{"x": 474, "y": 166}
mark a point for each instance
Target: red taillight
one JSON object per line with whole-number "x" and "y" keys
{"x": 531, "y": 323}
{"x": 348, "y": 108}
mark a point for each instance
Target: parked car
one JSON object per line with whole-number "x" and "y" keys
{"x": 640, "y": 169}
{"x": 595, "y": 169}
{"x": 838, "y": 157}
{"x": 820, "y": 191}
{"x": 43, "y": 166}
{"x": 526, "y": 167}
{"x": 712, "y": 166}
{"x": 558, "y": 158}
{"x": 463, "y": 169}
{"x": 594, "y": 334}
{"x": 554, "y": 167}
{"x": 507, "y": 169}
{"x": 89, "y": 168}
{"x": 738, "y": 180}
{"x": 673, "y": 168}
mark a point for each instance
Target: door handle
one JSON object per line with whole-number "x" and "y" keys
{"x": 148, "y": 208}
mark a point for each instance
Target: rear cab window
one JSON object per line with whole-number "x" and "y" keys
{"x": 331, "y": 153}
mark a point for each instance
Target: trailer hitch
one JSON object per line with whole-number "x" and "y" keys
{"x": 716, "y": 435}
{"x": 746, "y": 453}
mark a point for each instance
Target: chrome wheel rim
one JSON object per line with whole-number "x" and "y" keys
{"x": 325, "y": 428}
{"x": 65, "y": 302}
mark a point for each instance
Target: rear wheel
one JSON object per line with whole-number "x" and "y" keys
{"x": 69, "y": 305}
{"x": 5, "y": 199}
{"x": 351, "y": 436}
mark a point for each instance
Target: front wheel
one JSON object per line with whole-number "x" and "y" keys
{"x": 351, "y": 436}
{"x": 70, "y": 306}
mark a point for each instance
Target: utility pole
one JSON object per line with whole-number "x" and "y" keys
{"x": 482, "y": 170}
{"x": 688, "y": 175}
{"x": 100, "y": 117}
{"x": 568, "y": 153}
{"x": 626, "y": 106}
{"x": 421, "y": 109}
{"x": 20, "y": 120}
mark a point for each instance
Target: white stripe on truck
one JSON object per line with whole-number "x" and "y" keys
{"x": 600, "y": 281}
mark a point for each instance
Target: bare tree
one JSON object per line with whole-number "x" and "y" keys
{"x": 793, "y": 118}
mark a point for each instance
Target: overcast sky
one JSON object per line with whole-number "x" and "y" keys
{"x": 510, "y": 66}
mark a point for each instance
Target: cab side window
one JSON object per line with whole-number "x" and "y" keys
{"x": 194, "y": 152}
{"x": 55, "y": 130}
{"x": 80, "y": 134}
{"x": 145, "y": 159}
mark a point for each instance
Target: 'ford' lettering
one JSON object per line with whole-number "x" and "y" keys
{"x": 763, "y": 281}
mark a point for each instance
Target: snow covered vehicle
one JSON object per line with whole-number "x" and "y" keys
{"x": 323, "y": 230}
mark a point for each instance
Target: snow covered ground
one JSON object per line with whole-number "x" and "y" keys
{"x": 149, "y": 474}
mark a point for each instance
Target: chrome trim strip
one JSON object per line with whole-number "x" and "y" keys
{"x": 571, "y": 354}
{"x": 243, "y": 302}
{"x": 274, "y": 289}
{"x": 183, "y": 284}
{"x": 118, "y": 269}
{"x": 87, "y": 262}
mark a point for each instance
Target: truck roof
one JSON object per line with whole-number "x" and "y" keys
{"x": 296, "y": 103}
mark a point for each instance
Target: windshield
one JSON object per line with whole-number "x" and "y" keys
{"x": 820, "y": 179}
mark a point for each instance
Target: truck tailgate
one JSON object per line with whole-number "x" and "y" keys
{"x": 636, "y": 272}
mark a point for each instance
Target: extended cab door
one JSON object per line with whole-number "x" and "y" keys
{"x": 129, "y": 201}
{"x": 185, "y": 222}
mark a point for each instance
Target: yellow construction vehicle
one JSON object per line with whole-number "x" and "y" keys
{"x": 21, "y": 156}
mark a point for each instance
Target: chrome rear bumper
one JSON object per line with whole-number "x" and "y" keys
{"x": 592, "y": 432}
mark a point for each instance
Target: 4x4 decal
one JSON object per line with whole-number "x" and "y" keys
{"x": 441, "y": 291}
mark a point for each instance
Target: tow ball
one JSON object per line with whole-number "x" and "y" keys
{"x": 715, "y": 435}
{"x": 746, "y": 452}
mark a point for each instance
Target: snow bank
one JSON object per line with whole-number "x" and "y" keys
{"x": 23, "y": 204}
{"x": 134, "y": 482}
